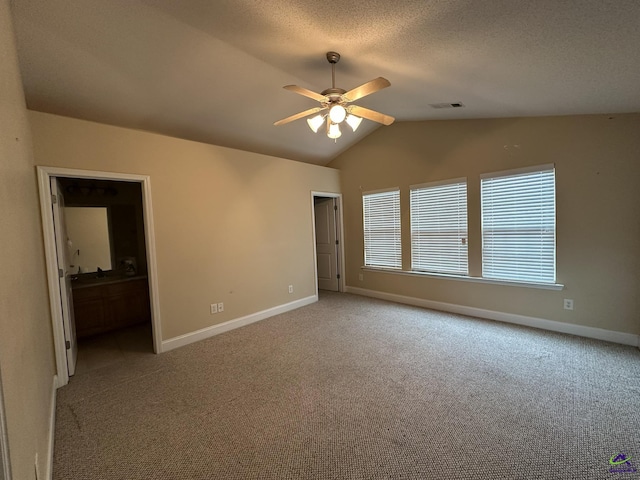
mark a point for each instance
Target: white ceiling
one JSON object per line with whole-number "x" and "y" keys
{"x": 213, "y": 70}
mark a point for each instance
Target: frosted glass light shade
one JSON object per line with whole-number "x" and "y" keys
{"x": 337, "y": 113}
{"x": 315, "y": 122}
{"x": 334, "y": 131}
{"x": 354, "y": 122}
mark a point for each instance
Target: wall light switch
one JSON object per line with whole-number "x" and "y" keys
{"x": 220, "y": 307}
{"x": 290, "y": 288}
{"x": 214, "y": 308}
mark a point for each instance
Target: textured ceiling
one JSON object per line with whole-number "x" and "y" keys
{"x": 213, "y": 70}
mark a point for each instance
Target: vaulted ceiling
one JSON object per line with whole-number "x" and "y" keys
{"x": 213, "y": 70}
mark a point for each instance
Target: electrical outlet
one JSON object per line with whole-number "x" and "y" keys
{"x": 360, "y": 277}
{"x": 220, "y": 307}
{"x": 568, "y": 304}
{"x": 214, "y": 308}
{"x": 290, "y": 288}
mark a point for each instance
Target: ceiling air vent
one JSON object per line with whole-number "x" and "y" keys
{"x": 447, "y": 105}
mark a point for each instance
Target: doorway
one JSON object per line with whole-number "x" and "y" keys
{"x": 107, "y": 258}
{"x": 119, "y": 281}
{"x": 328, "y": 245}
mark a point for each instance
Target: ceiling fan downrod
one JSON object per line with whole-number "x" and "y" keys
{"x": 334, "y": 94}
{"x": 333, "y": 57}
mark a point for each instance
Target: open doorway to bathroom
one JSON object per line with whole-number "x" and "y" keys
{"x": 130, "y": 258}
{"x": 108, "y": 266}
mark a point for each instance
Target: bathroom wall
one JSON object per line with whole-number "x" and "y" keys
{"x": 124, "y": 203}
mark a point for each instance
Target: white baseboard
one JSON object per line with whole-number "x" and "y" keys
{"x": 541, "y": 323}
{"x": 48, "y": 474}
{"x": 204, "y": 333}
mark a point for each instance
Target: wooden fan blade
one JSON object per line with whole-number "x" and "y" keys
{"x": 306, "y": 113}
{"x": 306, "y": 93}
{"x": 366, "y": 89}
{"x": 371, "y": 115}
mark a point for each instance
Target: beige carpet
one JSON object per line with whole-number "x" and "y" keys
{"x": 355, "y": 388}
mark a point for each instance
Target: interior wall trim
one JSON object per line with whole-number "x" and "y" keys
{"x": 48, "y": 474}
{"x": 541, "y": 323}
{"x": 213, "y": 330}
{"x": 5, "y": 461}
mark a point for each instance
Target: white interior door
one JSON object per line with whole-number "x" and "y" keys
{"x": 326, "y": 244}
{"x": 64, "y": 274}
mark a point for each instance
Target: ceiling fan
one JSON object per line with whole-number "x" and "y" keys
{"x": 336, "y": 103}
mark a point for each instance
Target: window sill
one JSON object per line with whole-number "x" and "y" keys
{"x": 464, "y": 278}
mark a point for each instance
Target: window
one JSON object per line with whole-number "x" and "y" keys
{"x": 382, "y": 244}
{"x": 439, "y": 227}
{"x": 519, "y": 225}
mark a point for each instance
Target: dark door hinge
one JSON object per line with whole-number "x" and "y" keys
{"x": 68, "y": 345}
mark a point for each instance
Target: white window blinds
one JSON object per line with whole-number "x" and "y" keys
{"x": 439, "y": 227}
{"x": 382, "y": 243}
{"x": 519, "y": 225}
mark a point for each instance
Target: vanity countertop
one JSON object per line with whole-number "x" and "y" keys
{"x": 93, "y": 281}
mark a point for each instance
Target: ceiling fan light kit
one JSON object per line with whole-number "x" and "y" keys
{"x": 333, "y": 130}
{"x": 337, "y": 113}
{"x": 315, "y": 122}
{"x": 354, "y": 122}
{"x": 336, "y": 101}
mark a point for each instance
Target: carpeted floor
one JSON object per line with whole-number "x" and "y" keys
{"x": 356, "y": 388}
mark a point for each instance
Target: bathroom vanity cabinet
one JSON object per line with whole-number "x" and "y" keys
{"x": 110, "y": 304}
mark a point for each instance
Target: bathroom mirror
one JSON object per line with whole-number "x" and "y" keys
{"x": 89, "y": 240}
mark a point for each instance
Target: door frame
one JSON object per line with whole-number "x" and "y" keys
{"x": 339, "y": 236}
{"x": 64, "y": 280}
{"x": 5, "y": 467}
{"x": 51, "y": 259}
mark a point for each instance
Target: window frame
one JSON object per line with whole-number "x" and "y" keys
{"x": 388, "y": 260}
{"x": 512, "y": 269}
{"x": 455, "y": 256}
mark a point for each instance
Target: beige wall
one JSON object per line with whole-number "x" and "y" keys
{"x": 26, "y": 348}
{"x": 597, "y": 160}
{"x": 230, "y": 226}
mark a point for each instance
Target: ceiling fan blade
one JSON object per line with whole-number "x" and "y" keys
{"x": 366, "y": 89}
{"x": 306, "y": 113}
{"x": 306, "y": 93}
{"x": 370, "y": 115}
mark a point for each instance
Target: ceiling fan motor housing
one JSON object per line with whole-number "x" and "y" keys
{"x": 334, "y": 95}
{"x": 333, "y": 57}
